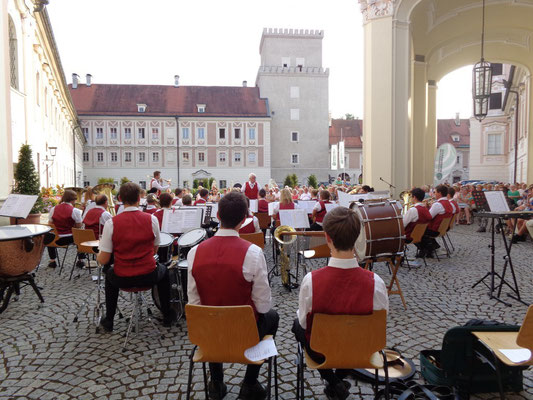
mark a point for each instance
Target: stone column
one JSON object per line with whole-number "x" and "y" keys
{"x": 430, "y": 142}
{"x": 419, "y": 109}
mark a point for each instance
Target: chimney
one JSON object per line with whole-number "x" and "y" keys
{"x": 75, "y": 80}
{"x": 88, "y": 78}
{"x": 176, "y": 80}
{"x": 244, "y": 83}
{"x": 457, "y": 120}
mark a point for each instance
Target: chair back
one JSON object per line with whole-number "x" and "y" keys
{"x": 452, "y": 222}
{"x": 83, "y": 235}
{"x": 255, "y": 238}
{"x": 444, "y": 225}
{"x": 349, "y": 341}
{"x": 418, "y": 232}
{"x": 53, "y": 243}
{"x": 322, "y": 251}
{"x": 264, "y": 220}
{"x": 525, "y": 335}
{"x": 222, "y": 334}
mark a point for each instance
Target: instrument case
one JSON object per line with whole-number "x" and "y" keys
{"x": 462, "y": 363}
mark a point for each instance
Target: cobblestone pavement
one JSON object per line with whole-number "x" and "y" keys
{"x": 44, "y": 355}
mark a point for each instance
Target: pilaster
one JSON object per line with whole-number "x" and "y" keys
{"x": 418, "y": 161}
{"x": 431, "y": 133}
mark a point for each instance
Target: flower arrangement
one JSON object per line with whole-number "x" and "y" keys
{"x": 51, "y": 196}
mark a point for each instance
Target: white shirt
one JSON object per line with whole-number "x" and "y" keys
{"x": 154, "y": 183}
{"x": 411, "y": 215}
{"x": 179, "y": 203}
{"x": 76, "y": 216}
{"x": 305, "y": 196}
{"x": 437, "y": 208}
{"x": 90, "y": 204}
{"x": 106, "y": 242}
{"x": 254, "y": 269}
{"x": 381, "y": 298}
{"x": 150, "y": 207}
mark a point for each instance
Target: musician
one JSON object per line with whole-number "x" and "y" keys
{"x": 252, "y": 227}
{"x": 178, "y": 196}
{"x": 151, "y": 204}
{"x": 319, "y": 211}
{"x": 143, "y": 203}
{"x": 314, "y": 194}
{"x": 450, "y": 197}
{"x": 203, "y": 193}
{"x": 440, "y": 210}
{"x": 97, "y": 216}
{"x": 156, "y": 184}
{"x": 165, "y": 201}
{"x": 89, "y": 200}
{"x": 133, "y": 239}
{"x": 187, "y": 200}
{"x": 64, "y": 216}
{"x": 418, "y": 214}
{"x": 262, "y": 204}
{"x": 119, "y": 206}
{"x": 285, "y": 203}
{"x": 226, "y": 270}
{"x": 357, "y": 291}
{"x": 251, "y": 187}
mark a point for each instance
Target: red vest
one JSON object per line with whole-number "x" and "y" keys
{"x": 424, "y": 217}
{"x": 151, "y": 210}
{"x": 117, "y": 206}
{"x": 448, "y": 212}
{"x": 262, "y": 206}
{"x": 217, "y": 270}
{"x": 133, "y": 243}
{"x": 456, "y": 206}
{"x": 175, "y": 200}
{"x": 322, "y": 213}
{"x": 62, "y": 218}
{"x": 250, "y": 228}
{"x": 159, "y": 215}
{"x": 158, "y": 193}
{"x": 199, "y": 201}
{"x": 92, "y": 220}
{"x": 284, "y": 206}
{"x": 250, "y": 192}
{"x": 353, "y": 291}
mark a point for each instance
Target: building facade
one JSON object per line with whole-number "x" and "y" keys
{"x": 293, "y": 79}
{"x": 34, "y": 99}
{"x": 350, "y": 131}
{"x": 457, "y": 133}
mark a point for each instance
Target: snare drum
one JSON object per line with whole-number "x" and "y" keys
{"x": 190, "y": 239}
{"x": 382, "y": 231}
{"x": 165, "y": 247}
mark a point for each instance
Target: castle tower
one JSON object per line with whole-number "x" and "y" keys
{"x": 293, "y": 80}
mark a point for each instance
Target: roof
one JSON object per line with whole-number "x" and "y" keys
{"x": 446, "y": 129}
{"x": 352, "y": 132}
{"x": 163, "y": 100}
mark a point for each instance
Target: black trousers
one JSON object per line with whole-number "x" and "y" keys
{"x": 52, "y": 251}
{"x": 267, "y": 324}
{"x": 114, "y": 283}
{"x": 428, "y": 243}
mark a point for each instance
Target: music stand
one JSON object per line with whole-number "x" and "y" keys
{"x": 18, "y": 206}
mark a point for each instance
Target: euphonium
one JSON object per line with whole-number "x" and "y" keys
{"x": 107, "y": 189}
{"x": 285, "y": 264}
{"x": 79, "y": 193}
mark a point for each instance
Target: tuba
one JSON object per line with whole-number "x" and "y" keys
{"x": 406, "y": 198}
{"x": 285, "y": 264}
{"x": 107, "y": 189}
{"x": 79, "y": 193}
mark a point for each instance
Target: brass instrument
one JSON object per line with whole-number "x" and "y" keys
{"x": 161, "y": 179}
{"x": 355, "y": 190}
{"x": 285, "y": 264}
{"x": 107, "y": 189}
{"x": 79, "y": 194}
{"x": 406, "y": 198}
{"x": 429, "y": 202}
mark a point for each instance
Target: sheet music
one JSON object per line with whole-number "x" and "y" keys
{"x": 18, "y": 205}
{"x": 214, "y": 210}
{"x": 331, "y": 206}
{"x": 261, "y": 351}
{"x": 271, "y": 207}
{"x": 181, "y": 220}
{"x": 254, "y": 205}
{"x": 345, "y": 199}
{"x": 307, "y": 205}
{"x": 496, "y": 201}
{"x": 296, "y": 218}
{"x": 383, "y": 194}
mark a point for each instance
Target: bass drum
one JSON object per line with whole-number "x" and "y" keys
{"x": 177, "y": 299}
{"x": 382, "y": 231}
{"x": 165, "y": 247}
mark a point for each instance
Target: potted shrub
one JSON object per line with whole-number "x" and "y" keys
{"x": 27, "y": 182}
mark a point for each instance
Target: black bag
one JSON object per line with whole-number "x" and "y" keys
{"x": 462, "y": 362}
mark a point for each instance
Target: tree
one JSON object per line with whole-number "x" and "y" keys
{"x": 124, "y": 180}
{"x": 312, "y": 181}
{"x": 105, "y": 180}
{"x": 349, "y": 116}
{"x": 294, "y": 179}
{"x": 287, "y": 181}
{"x": 27, "y": 179}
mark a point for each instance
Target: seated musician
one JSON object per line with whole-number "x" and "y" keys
{"x": 204, "y": 194}
{"x": 357, "y": 291}
{"x": 226, "y": 270}
{"x": 418, "y": 214}
{"x": 440, "y": 210}
{"x": 165, "y": 201}
{"x": 319, "y": 210}
{"x": 285, "y": 203}
{"x": 143, "y": 203}
{"x": 151, "y": 202}
{"x": 314, "y": 194}
{"x": 252, "y": 227}
{"x": 64, "y": 216}
{"x": 89, "y": 200}
{"x": 262, "y": 204}
{"x": 119, "y": 206}
{"x": 450, "y": 197}
{"x": 186, "y": 200}
{"x": 97, "y": 216}
{"x": 132, "y": 238}
{"x": 178, "y": 196}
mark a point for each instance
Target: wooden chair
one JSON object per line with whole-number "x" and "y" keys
{"x": 53, "y": 243}
{"x": 447, "y": 236}
{"x": 256, "y": 238}
{"x": 416, "y": 236}
{"x": 221, "y": 335}
{"x": 264, "y": 220}
{"x": 347, "y": 342}
{"x": 80, "y": 236}
{"x": 443, "y": 228}
{"x": 495, "y": 341}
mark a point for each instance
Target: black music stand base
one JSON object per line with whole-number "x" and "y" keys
{"x": 12, "y": 284}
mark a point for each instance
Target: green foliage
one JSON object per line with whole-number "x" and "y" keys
{"x": 124, "y": 180}
{"x": 312, "y": 181}
{"x": 349, "y": 116}
{"x": 294, "y": 179}
{"x": 205, "y": 183}
{"x": 105, "y": 180}
{"x": 27, "y": 179}
{"x": 291, "y": 181}
{"x": 210, "y": 183}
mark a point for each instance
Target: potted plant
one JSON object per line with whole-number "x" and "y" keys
{"x": 27, "y": 182}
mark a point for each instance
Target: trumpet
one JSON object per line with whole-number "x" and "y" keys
{"x": 161, "y": 179}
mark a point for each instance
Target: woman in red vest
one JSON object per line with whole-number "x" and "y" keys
{"x": 97, "y": 216}
{"x": 319, "y": 211}
{"x": 363, "y": 291}
{"x": 262, "y": 204}
{"x": 226, "y": 270}
{"x": 285, "y": 203}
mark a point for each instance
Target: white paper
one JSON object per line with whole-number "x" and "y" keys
{"x": 254, "y": 205}
{"x": 18, "y": 205}
{"x": 261, "y": 351}
{"x": 345, "y": 199}
{"x": 181, "y": 220}
{"x": 516, "y": 355}
{"x": 496, "y": 201}
{"x": 307, "y": 205}
{"x": 214, "y": 210}
{"x": 331, "y": 206}
{"x": 271, "y": 207}
{"x": 296, "y": 218}
{"x": 383, "y": 194}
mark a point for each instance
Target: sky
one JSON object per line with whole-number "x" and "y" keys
{"x": 215, "y": 42}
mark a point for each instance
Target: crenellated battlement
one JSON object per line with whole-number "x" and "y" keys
{"x": 293, "y": 70}
{"x": 292, "y": 32}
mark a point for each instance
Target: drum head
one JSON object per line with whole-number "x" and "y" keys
{"x": 360, "y": 243}
{"x": 192, "y": 237}
{"x": 166, "y": 239}
{"x": 183, "y": 264}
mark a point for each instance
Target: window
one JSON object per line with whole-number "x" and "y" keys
{"x": 86, "y": 183}
{"x": 222, "y": 184}
{"x": 127, "y": 133}
{"x": 251, "y": 133}
{"x": 142, "y": 157}
{"x": 495, "y": 102}
{"x": 141, "y": 133}
{"x": 494, "y": 143}
{"x": 201, "y": 108}
{"x": 285, "y": 62}
{"x": 100, "y": 157}
{"x": 99, "y": 133}
{"x": 295, "y": 114}
{"x": 294, "y": 136}
{"x": 201, "y": 133}
{"x": 222, "y": 157}
{"x": 201, "y": 156}
{"x": 295, "y": 92}
{"x": 85, "y": 156}
{"x": 142, "y": 184}
{"x": 300, "y": 62}
{"x": 251, "y": 158}
{"x": 113, "y": 133}
{"x": 456, "y": 138}
{"x": 85, "y": 132}
{"x": 155, "y": 156}
{"x": 185, "y": 133}
{"x": 185, "y": 157}
{"x": 155, "y": 133}
{"x": 237, "y": 133}
{"x": 237, "y": 157}
{"x": 127, "y": 156}
{"x": 114, "y": 157}
{"x": 458, "y": 159}
{"x": 141, "y": 108}
{"x": 222, "y": 133}
{"x": 294, "y": 159}
{"x": 13, "y": 55}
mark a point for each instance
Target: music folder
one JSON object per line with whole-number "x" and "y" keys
{"x": 296, "y": 218}
{"x": 181, "y": 220}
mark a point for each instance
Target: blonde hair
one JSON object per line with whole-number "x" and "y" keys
{"x": 285, "y": 196}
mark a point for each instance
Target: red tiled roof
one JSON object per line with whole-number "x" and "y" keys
{"x": 352, "y": 132}
{"x": 161, "y": 100}
{"x": 446, "y": 129}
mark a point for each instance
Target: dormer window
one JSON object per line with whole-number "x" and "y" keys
{"x": 141, "y": 108}
{"x": 456, "y": 138}
{"x": 201, "y": 108}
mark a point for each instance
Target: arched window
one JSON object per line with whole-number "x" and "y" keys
{"x": 13, "y": 55}
{"x": 37, "y": 87}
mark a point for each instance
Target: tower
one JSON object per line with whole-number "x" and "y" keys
{"x": 293, "y": 80}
